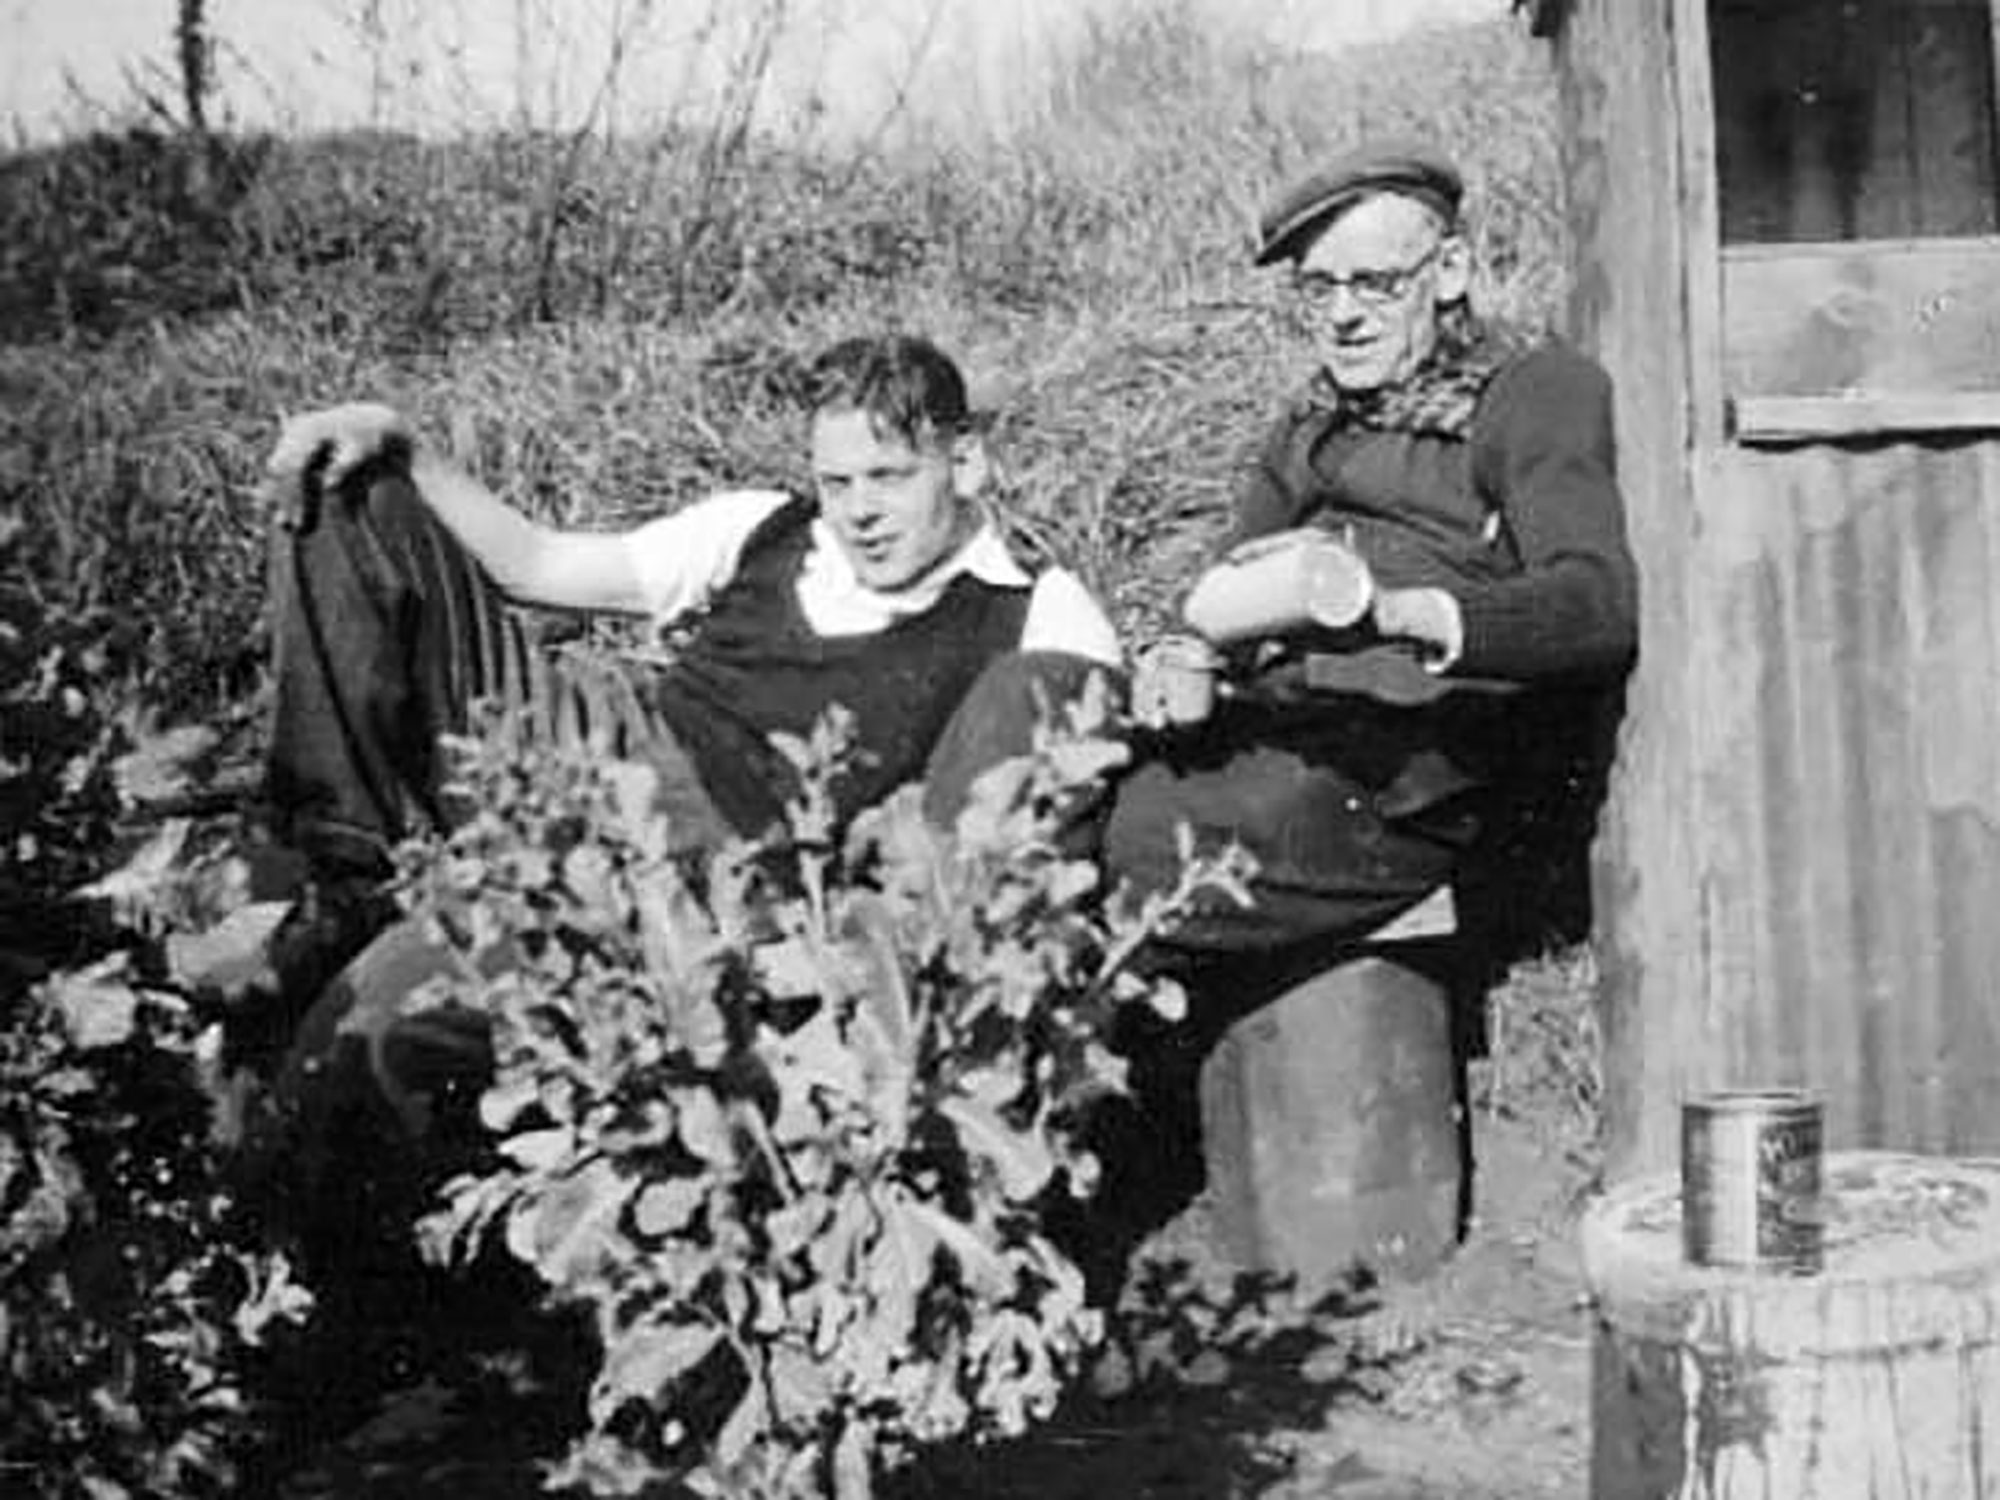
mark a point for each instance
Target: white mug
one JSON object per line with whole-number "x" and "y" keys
{"x": 1300, "y": 578}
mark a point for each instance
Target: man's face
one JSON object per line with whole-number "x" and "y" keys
{"x": 1371, "y": 287}
{"x": 898, "y": 509}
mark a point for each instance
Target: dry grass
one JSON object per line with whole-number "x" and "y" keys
{"x": 1545, "y": 1060}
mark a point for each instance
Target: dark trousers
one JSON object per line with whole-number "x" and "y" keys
{"x": 387, "y": 633}
{"x": 1333, "y": 864}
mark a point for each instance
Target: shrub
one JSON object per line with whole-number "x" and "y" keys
{"x": 120, "y": 229}
{"x": 132, "y": 1307}
{"x": 132, "y": 1302}
{"x": 785, "y": 1137}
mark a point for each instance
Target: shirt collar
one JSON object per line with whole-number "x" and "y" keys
{"x": 984, "y": 555}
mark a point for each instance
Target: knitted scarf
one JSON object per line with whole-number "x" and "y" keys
{"x": 1441, "y": 396}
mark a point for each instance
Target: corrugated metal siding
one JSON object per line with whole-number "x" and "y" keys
{"x": 1850, "y": 705}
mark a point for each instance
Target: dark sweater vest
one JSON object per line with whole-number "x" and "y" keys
{"x": 752, "y": 666}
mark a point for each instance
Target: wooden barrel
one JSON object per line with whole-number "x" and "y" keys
{"x": 1331, "y": 1125}
{"x": 1879, "y": 1377}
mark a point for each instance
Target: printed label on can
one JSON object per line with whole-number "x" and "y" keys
{"x": 1750, "y": 1180}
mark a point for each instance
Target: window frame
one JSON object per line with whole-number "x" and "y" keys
{"x": 1853, "y": 338}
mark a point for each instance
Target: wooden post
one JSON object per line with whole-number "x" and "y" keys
{"x": 1877, "y": 1379}
{"x": 1624, "y": 169}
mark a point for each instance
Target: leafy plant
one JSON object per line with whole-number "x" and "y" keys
{"x": 131, "y": 1300}
{"x": 783, "y": 1123}
{"x": 132, "y": 1304}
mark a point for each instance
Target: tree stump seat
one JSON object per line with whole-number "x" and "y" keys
{"x": 1877, "y": 1377}
{"x": 1333, "y": 1127}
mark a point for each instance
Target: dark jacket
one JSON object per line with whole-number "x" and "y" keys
{"x": 1512, "y": 506}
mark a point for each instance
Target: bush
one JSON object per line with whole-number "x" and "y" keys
{"x": 786, "y": 1137}
{"x": 132, "y": 1301}
{"x": 120, "y": 229}
{"x": 133, "y": 1307}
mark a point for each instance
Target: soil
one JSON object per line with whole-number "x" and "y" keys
{"x": 1470, "y": 1383}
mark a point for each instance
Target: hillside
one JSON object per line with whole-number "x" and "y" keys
{"x": 605, "y": 322}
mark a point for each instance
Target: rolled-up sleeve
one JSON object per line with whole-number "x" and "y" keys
{"x": 683, "y": 558}
{"x": 1063, "y": 616}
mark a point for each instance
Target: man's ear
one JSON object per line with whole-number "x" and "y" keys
{"x": 1454, "y": 262}
{"x": 971, "y": 466}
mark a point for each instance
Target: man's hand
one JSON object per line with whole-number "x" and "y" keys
{"x": 1174, "y": 682}
{"x": 318, "y": 449}
{"x": 1428, "y": 616}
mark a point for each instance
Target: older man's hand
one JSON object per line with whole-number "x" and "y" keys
{"x": 1174, "y": 682}
{"x": 1429, "y": 616}
{"x": 316, "y": 450}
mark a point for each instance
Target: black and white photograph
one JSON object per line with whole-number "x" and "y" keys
{"x": 1000, "y": 749}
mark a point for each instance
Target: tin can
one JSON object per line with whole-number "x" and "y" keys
{"x": 1750, "y": 1180}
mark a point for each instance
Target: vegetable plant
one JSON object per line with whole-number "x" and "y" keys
{"x": 782, "y": 1117}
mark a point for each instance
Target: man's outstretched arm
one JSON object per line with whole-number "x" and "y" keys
{"x": 536, "y": 564}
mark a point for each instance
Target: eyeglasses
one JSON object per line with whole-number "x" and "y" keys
{"x": 1371, "y": 287}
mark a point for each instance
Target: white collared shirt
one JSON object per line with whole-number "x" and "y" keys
{"x": 684, "y": 558}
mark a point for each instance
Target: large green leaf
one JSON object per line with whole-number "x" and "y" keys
{"x": 802, "y": 1387}
{"x": 979, "y": 1262}
{"x": 230, "y": 955}
{"x": 134, "y": 884}
{"x": 703, "y": 1125}
{"x": 646, "y": 1359}
{"x": 819, "y": 1055}
{"x": 899, "y": 1269}
{"x": 98, "y": 1007}
{"x": 1020, "y": 1157}
{"x": 665, "y": 1205}
{"x": 539, "y": 1150}
{"x": 746, "y": 1425}
{"x": 797, "y": 1225}
{"x": 572, "y": 1226}
{"x": 884, "y": 1032}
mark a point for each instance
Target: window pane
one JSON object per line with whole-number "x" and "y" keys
{"x": 1853, "y": 119}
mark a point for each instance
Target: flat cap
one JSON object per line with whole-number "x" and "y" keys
{"x": 1409, "y": 167}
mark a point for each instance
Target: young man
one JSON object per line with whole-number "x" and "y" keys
{"x": 886, "y": 591}
{"x": 1475, "y": 480}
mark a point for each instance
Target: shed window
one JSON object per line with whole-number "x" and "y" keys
{"x": 1854, "y": 119}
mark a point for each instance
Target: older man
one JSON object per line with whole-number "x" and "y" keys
{"x": 1473, "y": 477}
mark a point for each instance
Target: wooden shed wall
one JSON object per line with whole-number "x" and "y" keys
{"x": 1799, "y": 874}
{"x": 1849, "y": 599}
